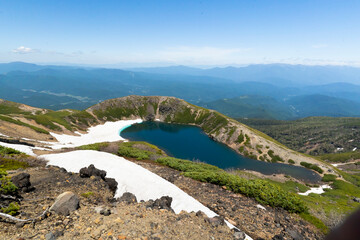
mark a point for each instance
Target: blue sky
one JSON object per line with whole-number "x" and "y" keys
{"x": 171, "y": 32}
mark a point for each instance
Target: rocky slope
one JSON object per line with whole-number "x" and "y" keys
{"x": 99, "y": 215}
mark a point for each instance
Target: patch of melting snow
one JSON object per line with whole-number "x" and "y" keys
{"x": 261, "y": 207}
{"x": 318, "y": 190}
{"x": 131, "y": 177}
{"x": 108, "y": 132}
{"x": 3, "y": 135}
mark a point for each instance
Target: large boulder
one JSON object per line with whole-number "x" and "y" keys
{"x": 112, "y": 183}
{"x": 22, "y": 181}
{"x": 161, "y": 203}
{"x": 65, "y": 203}
{"x": 128, "y": 198}
{"x": 92, "y": 171}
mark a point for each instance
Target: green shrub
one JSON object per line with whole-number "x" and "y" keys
{"x": 328, "y": 178}
{"x": 263, "y": 191}
{"x": 12, "y": 209}
{"x": 240, "y": 138}
{"x": 311, "y": 166}
{"x": 290, "y": 161}
{"x": 247, "y": 142}
{"x": 274, "y": 158}
{"x": 6, "y": 151}
{"x": 6, "y": 186}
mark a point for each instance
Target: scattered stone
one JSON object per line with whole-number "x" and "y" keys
{"x": 22, "y": 181}
{"x": 356, "y": 200}
{"x": 150, "y": 117}
{"x": 65, "y": 203}
{"x": 200, "y": 214}
{"x": 128, "y": 198}
{"x": 294, "y": 234}
{"x": 98, "y": 209}
{"x": 105, "y": 212}
{"x": 19, "y": 224}
{"x": 50, "y": 236}
{"x": 92, "y": 171}
{"x": 238, "y": 235}
{"x": 215, "y": 221}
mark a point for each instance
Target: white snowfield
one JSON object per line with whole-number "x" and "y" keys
{"x": 108, "y": 132}
{"x": 22, "y": 148}
{"x": 318, "y": 190}
{"x": 131, "y": 177}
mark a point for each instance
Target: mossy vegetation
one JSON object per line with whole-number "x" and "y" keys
{"x": 82, "y": 117}
{"x": 328, "y": 178}
{"x": 138, "y": 150}
{"x": 263, "y": 191}
{"x": 18, "y": 122}
{"x": 87, "y": 194}
{"x": 8, "y": 107}
{"x": 341, "y": 157}
{"x": 12, "y": 164}
{"x": 49, "y": 119}
{"x": 94, "y": 146}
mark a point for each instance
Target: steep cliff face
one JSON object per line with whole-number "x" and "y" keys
{"x": 246, "y": 141}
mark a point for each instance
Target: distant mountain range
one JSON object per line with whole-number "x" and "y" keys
{"x": 293, "y": 108}
{"x": 283, "y": 75}
{"x": 274, "y": 91}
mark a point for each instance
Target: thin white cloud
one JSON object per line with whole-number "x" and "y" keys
{"x": 320, "y": 46}
{"x": 200, "y": 54}
{"x": 23, "y": 50}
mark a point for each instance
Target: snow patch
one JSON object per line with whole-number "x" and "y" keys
{"x": 131, "y": 177}
{"x": 3, "y": 135}
{"x": 108, "y": 132}
{"x": 318, "y": 190}
{"x": 261, "y": 207}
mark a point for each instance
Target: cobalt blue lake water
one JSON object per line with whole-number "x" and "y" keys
{"x": 190, "y": 142}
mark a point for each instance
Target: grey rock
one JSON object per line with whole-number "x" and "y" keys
{"x": 19, "y": 224}
{"x": 128, "y": 198}
{"x": 215, "y": 221}
{"x": 50, "y": 236}
{"x": 22, "y": 181}
{"x": 294, "y": 234}
{"x": 239, "y": 235}
{"x": 356, "y": 200}
{"x": 65, "y": 203}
